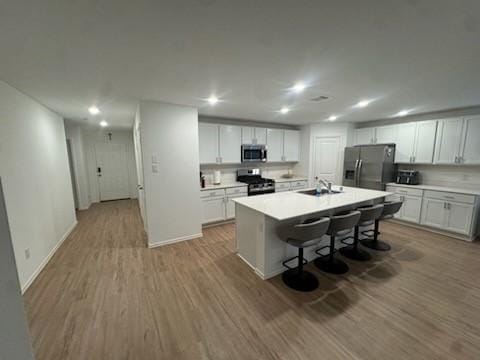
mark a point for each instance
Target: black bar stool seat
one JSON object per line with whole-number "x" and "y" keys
{"x": 368, "y": 215}
{"x": 372, "y": 242}
{"x": 340, "y": 224}
{"x": 302, "y": 235}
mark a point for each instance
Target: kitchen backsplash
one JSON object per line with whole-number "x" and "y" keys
{"x": 467, "y": 177}
{"x": 229, "y": 172}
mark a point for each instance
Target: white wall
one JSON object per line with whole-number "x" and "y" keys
{"x": 95, "y": 136}
{"x": 36, "y": 179}
{"x": 169, "y": 136}
{"x": 308, "y": 133}
{"x": 75, "y": 133}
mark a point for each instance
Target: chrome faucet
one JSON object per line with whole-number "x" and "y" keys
{"x": 327, "y": 184}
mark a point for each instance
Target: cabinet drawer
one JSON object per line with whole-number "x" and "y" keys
{"x": 282, "y": 186}
{"x": 212, "y": 193}
{"x": 404, "y": 191}
{"x": 301, "y": 184}
{"x": 462, "y": 198}
{"x": 237, "y": 190}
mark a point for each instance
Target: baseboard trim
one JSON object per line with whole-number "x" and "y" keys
{"x": 433, "y": 230}
{"x": 47, "y": 259}
{"x": 175, "y": 240}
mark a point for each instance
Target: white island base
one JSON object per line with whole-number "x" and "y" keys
{"x": 258, "y": 217}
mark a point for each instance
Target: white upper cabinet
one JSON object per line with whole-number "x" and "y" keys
{"x": 386, "y": 134}
{"x": 424, "y": 142}
{"x": 405, "y": 142}
{"x": 364, "y": 136}
{"x": 415, "y": 142}
{"x": 275, "y": 145}
{"x": 254, "y": 135}
{"x": 208, "y": 141}
{"x": 261, "y": 136}
{"x": 248, "y": 135}
{"x": 230, "y": 139}
{"x": 291, "y": 145}
{"x": 470, "y": 146}
{"x": 448, "y": 141}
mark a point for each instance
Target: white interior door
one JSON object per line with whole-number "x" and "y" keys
{"x": 112, "y": 171}
{"x": 326, "y": 161}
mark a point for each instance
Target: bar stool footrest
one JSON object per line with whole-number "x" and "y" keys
{"x": 284, "y": 263}
{"x": 324, "y": 247}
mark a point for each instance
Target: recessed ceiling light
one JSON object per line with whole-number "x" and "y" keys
{"x": 299, "y": 87}
{"x": 94, "y": 110}
{"x": 103, "y": 123}
{"x": 402, "y": 113}
{"x": 332, "y": 118}
{"x": 284, "y": 110}
{"x": 212, "y": 100}
{"x": 362, "y": 103}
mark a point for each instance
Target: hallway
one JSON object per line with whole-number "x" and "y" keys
{"x": 104, "y": 295}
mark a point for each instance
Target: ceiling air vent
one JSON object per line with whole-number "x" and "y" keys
{"x": 319, "y": 98}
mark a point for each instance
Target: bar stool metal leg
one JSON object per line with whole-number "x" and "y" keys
{"x": 329, "y": 263}
{"x": 353, "y": 252}
{"x": 299, "y": 279}
{"x": 373, "y": 242}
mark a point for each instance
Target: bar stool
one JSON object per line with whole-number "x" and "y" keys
{"x": 389, "y": 209}
{"x": 302, "y": 235}
{"x": 340, "y": 224}
{"x": 368, "y": 215}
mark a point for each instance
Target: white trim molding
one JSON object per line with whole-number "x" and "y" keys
{"x": 152, "y": 245}
{"x": 48, "y": 258}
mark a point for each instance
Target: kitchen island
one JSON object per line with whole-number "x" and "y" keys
{"x": 258, "y": 217}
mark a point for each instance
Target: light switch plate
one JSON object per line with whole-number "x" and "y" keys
{"x": 154, "y": 168}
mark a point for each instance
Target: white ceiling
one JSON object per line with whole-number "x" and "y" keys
{"x": 421, "y": 55}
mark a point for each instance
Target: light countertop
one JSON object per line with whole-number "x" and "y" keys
{"x": 290, "y": 204}
{"x": 438, "y": 188}
{"x": 223, "y": 186}
{"x": 293, "y": 178}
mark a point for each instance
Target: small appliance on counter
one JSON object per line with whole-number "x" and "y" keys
{"x": 408, "y": 177}
{"x": 217, "y": 177}
{"x": 257, "y": 185}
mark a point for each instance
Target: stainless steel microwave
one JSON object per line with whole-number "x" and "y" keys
{"x": 254, "y": 153}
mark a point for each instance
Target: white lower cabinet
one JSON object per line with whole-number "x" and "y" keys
{"x": 433, "y": 213}
{"x": 459, "y": 217}
{"x": 447, "y": 211}
{"x": 412, "y": 205}
{"x": 218, "y": 205}
{"x": 213, "y": 210}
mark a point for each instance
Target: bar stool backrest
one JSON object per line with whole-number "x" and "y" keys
{"x": 390, "y": 208}
{"x": 342, "y": 222}
{"x": 371, "y": 212}
{"x": 304, "y": 231}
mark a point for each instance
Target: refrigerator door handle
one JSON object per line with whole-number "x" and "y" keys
{"x": 359, "y": 169}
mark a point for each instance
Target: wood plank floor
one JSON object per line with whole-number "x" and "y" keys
{"x": 104, "y": 295}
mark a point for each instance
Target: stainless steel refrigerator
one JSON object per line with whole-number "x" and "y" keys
{"x": 369, "y": 166}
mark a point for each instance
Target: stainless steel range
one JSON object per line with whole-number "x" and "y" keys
{"x": 256, "y": 184}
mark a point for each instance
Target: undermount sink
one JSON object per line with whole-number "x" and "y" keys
{"x": 313, "y": 192}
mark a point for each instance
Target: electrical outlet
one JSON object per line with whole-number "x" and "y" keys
{"x": 27, "y": 253}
